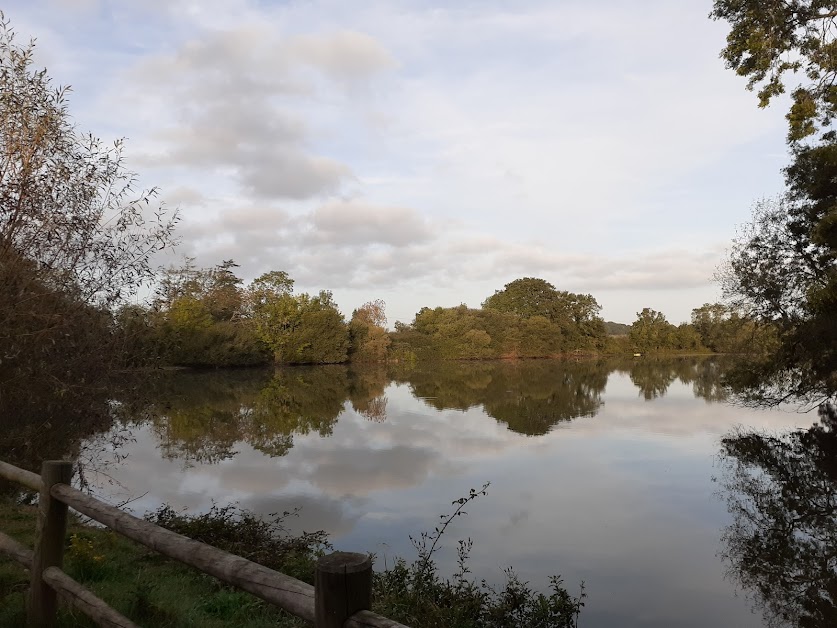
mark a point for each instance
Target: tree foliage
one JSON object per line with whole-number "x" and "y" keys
{"x": 369, "y": 339}
{"x": 77, "y": 239}
{"x": 299, "y": 329}
{"x": 769, "y": 39}
{"x": 528, "y": 318}
{"x": 68, "y": 205}
{"x": 783, "y": 268}
{"x": 723, "y": 329}
{"x": 576, "y": 314}
{"x": 652, "y": 333}
{"x": 206, "y": 317}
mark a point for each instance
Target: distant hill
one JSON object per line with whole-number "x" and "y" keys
{"x": 617, "y": 329}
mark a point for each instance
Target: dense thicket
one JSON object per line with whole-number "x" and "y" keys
{"x": 76, "y": 240}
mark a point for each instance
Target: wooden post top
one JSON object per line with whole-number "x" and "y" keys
{"x": 344, "y": 562}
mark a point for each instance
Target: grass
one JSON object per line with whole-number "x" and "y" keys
{"x": 142, "y": 585}
{"x": 155, "y": 591}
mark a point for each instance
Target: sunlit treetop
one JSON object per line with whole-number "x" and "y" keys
{"x": 769, "y": 38}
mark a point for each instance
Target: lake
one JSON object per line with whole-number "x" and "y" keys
{"x": 600, "y": 471}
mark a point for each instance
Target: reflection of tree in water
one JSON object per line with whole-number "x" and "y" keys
{"x": 782, "y": 544}
{"x": 88, "y": 426}
{"x": 366, "y": 391}
{"x": 457, "y": 385}
{"x": 655, "y": 374}
{"x": 708, "y": 382}
{"x": 201, "y": 416}
{"x": 297, "y": 400}
{"x": 652, "y": 377}
{"x": 529, "y": 396}
{"x": 534, "y": 396}
{"x": 198, "y": 415}
{"x": 26, "y": 443}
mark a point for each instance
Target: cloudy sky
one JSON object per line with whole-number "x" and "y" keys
{"x": 428, "y": 153}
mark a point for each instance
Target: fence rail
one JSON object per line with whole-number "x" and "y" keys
{"x": 340, "y": 598}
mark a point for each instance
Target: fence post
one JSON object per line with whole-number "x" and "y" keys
{"x": 49, "y": 543}
{"x": 342, "y": 587}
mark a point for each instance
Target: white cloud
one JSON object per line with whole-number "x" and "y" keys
{"x": 432, "y": 153}
{"x": 364, "y": 224}
{"x": 236, "y": 104}
{"x": 344, "y": 55}
{"x": 366, "y": 248}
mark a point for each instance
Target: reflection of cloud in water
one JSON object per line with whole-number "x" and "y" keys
{"x": 335, "y": 516}
{"x": 622, "y": 499}
{"x": 342, "y": 471}
{"x": 250, "y": 473}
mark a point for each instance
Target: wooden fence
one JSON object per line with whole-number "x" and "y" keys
{"x": 341, "y": 595}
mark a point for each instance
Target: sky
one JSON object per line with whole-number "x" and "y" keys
{"x": 429, "y": 153}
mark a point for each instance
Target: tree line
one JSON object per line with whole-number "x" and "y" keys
{"x": 210, "y": 317}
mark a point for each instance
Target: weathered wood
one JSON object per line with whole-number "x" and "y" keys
{"x": 49, "y": 543}
{"x": 368, "y": 619}
{"x": 342, "y": 587}
{"x": 84, "y": 601}
{"x": 21, "y": 476}
{"x": 16, "y": 551}
{"x": 288, "y": 593}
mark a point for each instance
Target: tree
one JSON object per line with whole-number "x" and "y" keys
{"x": 577, "y": 315}
{"x": 369, "y": 340}
{"x": 770, "y": 38}
{"x": 299, "y": 329}
{"x": 686, "y": 338}
{"x": 321, "y": 335}
{"x": 526, "y": 297}
{"x": 651, "y": 331}
{"x": 76, "y": 241}
{"x": 199, "y": 318}
{"x": 783, "y": 268}
{"x": 273, "y": 309}
{"x": 224, "y": 295}
{"x": 723, "y": 329}
{"x": 68, "y": 205}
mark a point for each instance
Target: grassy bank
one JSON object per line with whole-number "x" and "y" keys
{"x": 154, "y": 591}
{"x": 144, "y": 586}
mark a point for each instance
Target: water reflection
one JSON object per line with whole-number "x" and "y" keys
{"x": 589, "y": 478}
{"x": 782, "y": 543}
{"x": 200, "y": 417}
{"x": 530, "y": 397}
{"x": 654, "y": 375}
{"x": 87, "y": 427}
{"x": 203, "y": 417}
{"x": 366, "y": 391}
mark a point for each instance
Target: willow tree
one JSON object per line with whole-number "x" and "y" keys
{"x": 77, "y": 240}
{"x": 783, "y": 267}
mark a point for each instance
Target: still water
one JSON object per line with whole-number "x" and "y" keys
{"x": 600, "y": 471}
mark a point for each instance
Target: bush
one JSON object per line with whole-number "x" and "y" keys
{"x": 412, "y": 593}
